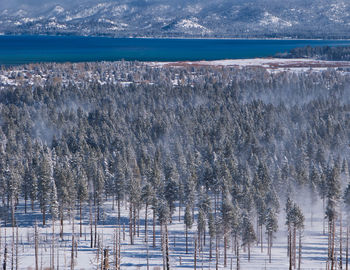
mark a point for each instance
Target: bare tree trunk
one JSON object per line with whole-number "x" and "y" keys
{"x": 115, "y": 250}
{"x": 81, "y": 218}
{"x": 217, "y": 253}
{"x": 179, "y": 211}
{"x": 138, "y": 221}
{"x": 147, "y": 256}
{"x": 300, "y": 247}
{"x": 13, "y": 249}
{"x": 154, "y": 227}
{"x": 44, "y": 216}
{"x": 290, "y": 250}
{"x": 5, "y": 258}
{"x": 36, "y": 244}
{"x": 162, "y": 244}
{"x": 13, "y": 213}
{"x": 105, "y": 259}
{"x": 257, "y": 232}
{"x": 134, "y": 220}
{"x": 347, "y": 248}
{"x": 341, "y": 243}
{"x": 294, "y": 246}
{"x": 210, "y": 248}
{"x": 269, "y": 238}
{"x": 96, "y": 218}
{"x": 113, "y": 202}
{"x": 186, "y": 232}
{"x": 195, "y": 254}
{"x": 58, "y": 258}
{"x": 123, "y": 231}
{"x": 323, "y": 211}
{"x": 332, "y": 247}
{"x": 130, "y": 225}
{"x": 167, "y": 248}
{"x": 146, "y": 223}
{"x": 237, "y": 254}
{"x": 118, "y": 211}
{"x": 248, "y": 251}
{"x": 225, "y": 250}
{"x": 61, "y": 223}
{"x": 53, "y": 244}
{"x": 72, "y": 249}
{"x": 91, "y": 228}
{"x": 261, "y": 239}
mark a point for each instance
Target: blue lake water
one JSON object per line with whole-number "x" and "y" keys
{"x": 27, "y": 49}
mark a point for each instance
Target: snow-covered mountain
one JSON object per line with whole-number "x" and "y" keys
{"x": 221, "y": 18}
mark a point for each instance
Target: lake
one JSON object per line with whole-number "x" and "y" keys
{"x": 28, "y": 49}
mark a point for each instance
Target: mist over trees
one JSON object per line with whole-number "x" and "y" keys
{"x": 223, "y": 153}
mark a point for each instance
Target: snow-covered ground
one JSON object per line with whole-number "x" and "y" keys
{"x": 134, "y": 256}
{"x": 68, "y": 72}
{"x": 271, "y": 64}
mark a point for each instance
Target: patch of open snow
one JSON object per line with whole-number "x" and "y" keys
{"x": 337, "y": 12}
{"x": 118, "y": 10}
{"x": 185, "y": 23}
{"x": 270, "y": 19}
{"x": 27, "y": 20}
{"x": 57, "y": 25}
{"x": 271, "y": 64}
{"x": 58, "y": 9}
{"x": 192, "y": 24}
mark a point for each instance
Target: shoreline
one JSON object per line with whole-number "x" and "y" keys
{"x": 2, "y": 34}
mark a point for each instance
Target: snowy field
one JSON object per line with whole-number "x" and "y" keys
{"x": 271, "y": 64}
{"x": 314, "y": 242}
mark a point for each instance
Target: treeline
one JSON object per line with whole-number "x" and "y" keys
{"x": 227, "y": 157}
{"x": 336, "y": 53}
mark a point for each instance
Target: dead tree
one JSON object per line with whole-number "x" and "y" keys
{"x": 347, "y": 249}
{"x": 105, "y": 259}
{"x": 5, "y": 258}
{"x": 72, "y": 249}
{"x": 195, "y": 254}
{"x": 167, "y": 260}
{"x": 17, "y": 248}
{"x": 36, "y": 244}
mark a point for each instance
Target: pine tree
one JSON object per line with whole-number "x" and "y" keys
{"x": 82, "y": 194}
{"x": 171, "y": 189}
{"x": 271, "y": 228}
{"x": 228, "y": 218}
{"x": 248, "y": 233}
{"x": 148, "y": 195}
{"x": 333, "y": 196}
{"x": 53, "y": 203}
{"x": 212, "y": 233}
{"x": 44, "y": 185}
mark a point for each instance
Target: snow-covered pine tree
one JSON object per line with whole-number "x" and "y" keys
{"x": 248, "y": 233}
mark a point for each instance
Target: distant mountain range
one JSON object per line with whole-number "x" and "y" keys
{"x": 179, "y": 18}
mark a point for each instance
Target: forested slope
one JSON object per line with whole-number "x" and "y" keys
{"x": 225, "y": 147}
